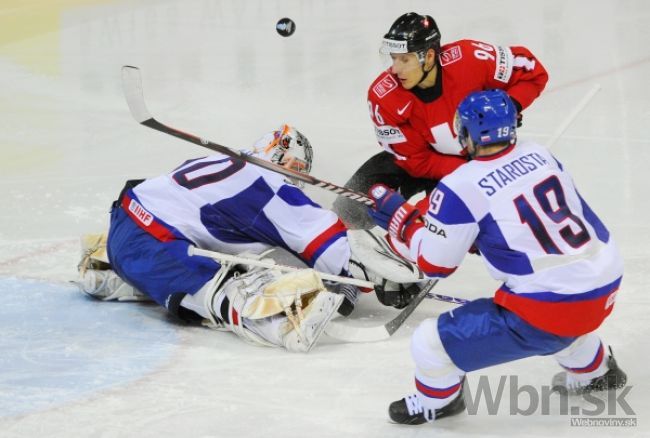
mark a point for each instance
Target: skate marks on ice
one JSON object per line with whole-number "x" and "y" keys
{"x": 59, "y": 346}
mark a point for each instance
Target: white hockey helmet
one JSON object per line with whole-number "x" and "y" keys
{"x": 286, "y": 147}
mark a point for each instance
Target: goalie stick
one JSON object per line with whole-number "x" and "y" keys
{"x": 270, "y": 264}
{"x": 219, "y": 256}
{"x": 132, "y": 84}
{"x": 343, "y": 331}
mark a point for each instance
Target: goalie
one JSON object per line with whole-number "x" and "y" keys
{"x": 221, "y": 204}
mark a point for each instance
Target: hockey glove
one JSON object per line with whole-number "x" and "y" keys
{"x": 393, "y": 213}
{"x": 396, "y": 295}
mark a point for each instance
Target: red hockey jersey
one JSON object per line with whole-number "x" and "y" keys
{"x": 418, "y": 131}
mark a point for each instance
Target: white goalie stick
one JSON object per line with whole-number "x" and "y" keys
{"x": 342, "y": 330}
{"x": 132, "y": 84}
{"x": 270, "y": 264}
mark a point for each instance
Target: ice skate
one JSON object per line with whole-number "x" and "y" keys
{"x": 614, "y": 378}
{"x": 409, "y": 410}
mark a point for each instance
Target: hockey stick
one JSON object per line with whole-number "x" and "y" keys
{"x": 447, "y": 298}
{"x": 133, "y": 91}
{"x": 343, "y": 331}
{"x": 132, "y": 84}
{"x": 194, "y": 251}
{"x": 572, "y": 115}
{"x": 219, "y": 256}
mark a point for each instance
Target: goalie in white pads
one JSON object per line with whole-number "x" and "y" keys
{"x": 222, "y": 204}
{"x": 560, "y": 267}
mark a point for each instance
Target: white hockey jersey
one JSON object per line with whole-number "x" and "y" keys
{"x": 560, "y": 267}
{"x": 227, "y": 205}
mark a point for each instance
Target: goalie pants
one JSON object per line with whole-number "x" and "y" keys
{"x": 380, "y": 168}
{"x": 161, "y": 269}
{"x": 481, "y": 334}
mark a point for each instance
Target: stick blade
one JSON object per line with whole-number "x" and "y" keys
{"x": 343, "y": 331}
{"x": 132, "y": 86}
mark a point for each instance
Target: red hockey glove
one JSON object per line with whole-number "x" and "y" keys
{"x": 393, "y": 213}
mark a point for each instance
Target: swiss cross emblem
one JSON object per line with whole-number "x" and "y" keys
{"x": 385, "y": 86}
{"x": 450, "y": 55}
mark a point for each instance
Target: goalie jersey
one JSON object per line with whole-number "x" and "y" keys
{"x": 559, "y": 265}
{"x": 230, "y": 206}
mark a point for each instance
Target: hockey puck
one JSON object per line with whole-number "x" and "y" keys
{"x": 285, "y": 27}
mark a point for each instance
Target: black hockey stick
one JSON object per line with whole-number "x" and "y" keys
{"x": 132, "y": 84}
{"x": 344, "y": 331}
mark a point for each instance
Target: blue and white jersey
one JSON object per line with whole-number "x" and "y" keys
{"x": 558, "y": 262}
{"x": 227, "y": 205}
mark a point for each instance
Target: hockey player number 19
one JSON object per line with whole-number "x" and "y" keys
{"x": 558, "y": 215}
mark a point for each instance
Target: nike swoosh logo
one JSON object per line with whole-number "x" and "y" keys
{"x": 400, "y": 111}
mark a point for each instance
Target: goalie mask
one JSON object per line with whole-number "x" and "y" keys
{"x": 287, "y": 147}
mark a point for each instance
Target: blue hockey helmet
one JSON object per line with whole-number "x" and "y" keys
{"x": 487, "y": 117}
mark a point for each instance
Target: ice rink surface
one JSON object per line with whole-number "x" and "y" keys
{"x": 74, "y": 367}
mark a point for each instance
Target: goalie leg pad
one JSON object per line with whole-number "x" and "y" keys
{"x": 106, "y": 285}
{"x": 267, "y": 308}
{"x": 93, "y": 252}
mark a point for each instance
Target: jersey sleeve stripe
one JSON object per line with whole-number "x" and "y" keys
{"x": 432, "y": 270}
{"x": 323, "y": 241}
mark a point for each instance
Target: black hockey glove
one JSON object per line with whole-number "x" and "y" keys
{"x": 398, "y": 298}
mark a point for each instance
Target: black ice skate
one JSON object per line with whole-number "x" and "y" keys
{"x": 409, "y": 410}
{"x": 614, "y": 378}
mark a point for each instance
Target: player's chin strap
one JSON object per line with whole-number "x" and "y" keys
{"x": 425, "y": 73}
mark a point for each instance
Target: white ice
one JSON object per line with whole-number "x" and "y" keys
{"x": 70, "y": 366}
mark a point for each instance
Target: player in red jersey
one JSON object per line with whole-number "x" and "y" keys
{"x": 412, "y": 106}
